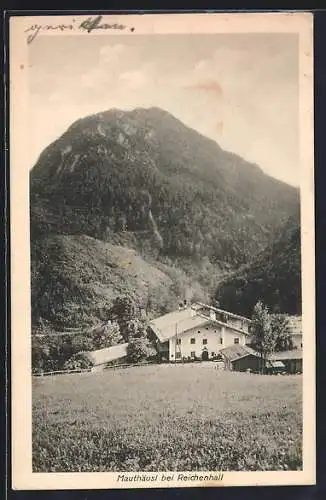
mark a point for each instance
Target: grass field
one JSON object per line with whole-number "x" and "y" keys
{"x": 177, "y": 418}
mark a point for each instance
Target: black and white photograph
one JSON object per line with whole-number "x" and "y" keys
{"x": 162, "y": 249}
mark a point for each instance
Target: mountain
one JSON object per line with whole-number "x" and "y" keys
{"x": 76, "y": 278}
{"x": 142, "y": 187}
{"x": 142, "y": 178}
{"x": 273, "y": 277}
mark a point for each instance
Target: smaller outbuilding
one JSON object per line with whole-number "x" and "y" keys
{"x": 241, "y": 358}
{"x": 292, "y": 360}
{"x": 103, "y": 357}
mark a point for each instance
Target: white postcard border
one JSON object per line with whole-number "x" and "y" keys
{"x": 22, "y": 475}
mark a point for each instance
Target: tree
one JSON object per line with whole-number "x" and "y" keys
{"x": 281, "y": 329}
{"x": 123, "y": 310}
{"x": 137, "y": 329}
{"x": 83, "y": 343}
{"x": 263, "y": 336}
{"x": 39, "y": 357}
{"x": 106, "y": 335}
{"x": 138, "y": 350}
{"x": 159, "y": 300}
{"x": 112, "y": 334}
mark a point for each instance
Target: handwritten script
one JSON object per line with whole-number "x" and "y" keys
{"x": 88, "y": 25}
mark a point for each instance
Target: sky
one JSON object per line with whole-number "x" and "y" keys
{"x": 241, "y": 90}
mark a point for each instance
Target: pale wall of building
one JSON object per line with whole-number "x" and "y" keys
{"x": 217, "y": 337}
{"x": 236, "y": 322}
{"x": 297, "y": 341}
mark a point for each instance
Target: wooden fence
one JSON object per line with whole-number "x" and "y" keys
{"x": 115, "y": 367}
{"x": 102, "y": 367}
{"x": 93, "y": 369}
{"x": 62, "y": 372}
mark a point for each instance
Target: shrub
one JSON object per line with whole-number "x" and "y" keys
{"x": 80, "y": 360}
{"x": 138, "y": 350}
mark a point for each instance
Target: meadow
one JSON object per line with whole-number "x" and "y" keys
{"x": 167, "y": 417}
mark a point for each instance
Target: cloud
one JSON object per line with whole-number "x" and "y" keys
{"x": 137, "y": 78}
{"x": 112, "y": 53}
{"x": 241, "y": 93}
{"x": 55, "y": 97}
{"x": 118, "y": 68}
{"x": 92, "y": 78}
{"x": 133, "y": 78}
{"x": 109, "y": 60}
{"x": 202, "y": 65}
{"x": 208, "y": 86}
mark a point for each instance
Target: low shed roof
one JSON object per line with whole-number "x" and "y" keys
{"x": 179, "y": 322}
{"x": 108, "y": 354}
{"x": 283, "y": 355}
{"x": 235, "y": 352}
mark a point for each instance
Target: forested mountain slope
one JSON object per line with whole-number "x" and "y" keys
{"x": 145, "y": 172}
{"x": 273, "y": 277}
{"x": 140, "y": 186}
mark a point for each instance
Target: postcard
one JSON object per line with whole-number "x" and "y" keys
{"x": 162, "y": 250}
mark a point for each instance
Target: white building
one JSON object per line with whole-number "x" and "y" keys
{"x": 295, "y": 327}
{"x": 198, "y": 331}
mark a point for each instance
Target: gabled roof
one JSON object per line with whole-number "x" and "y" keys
{"x": 222, "y": 311}
{"x": 235, "y": 352}
{"x": 103, "y": 356}
{"x": 176, "y": 322}
{"x": 293, "y": 354}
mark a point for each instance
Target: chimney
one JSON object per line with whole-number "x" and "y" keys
{"x": 212, "y": 314}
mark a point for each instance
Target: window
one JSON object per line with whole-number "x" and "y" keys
{"x": 236, "y": 340}
{"x": 178, "y": 341}
{"x": 213, "y": 354}
{"x": 221, "y": 340}
{"x": 178, "y": 355}
{"x": 204, "y": 341}
{"x": 224, "y": 318}
{"x": 193, "y": 354}
{"x": 193, "y": 341}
